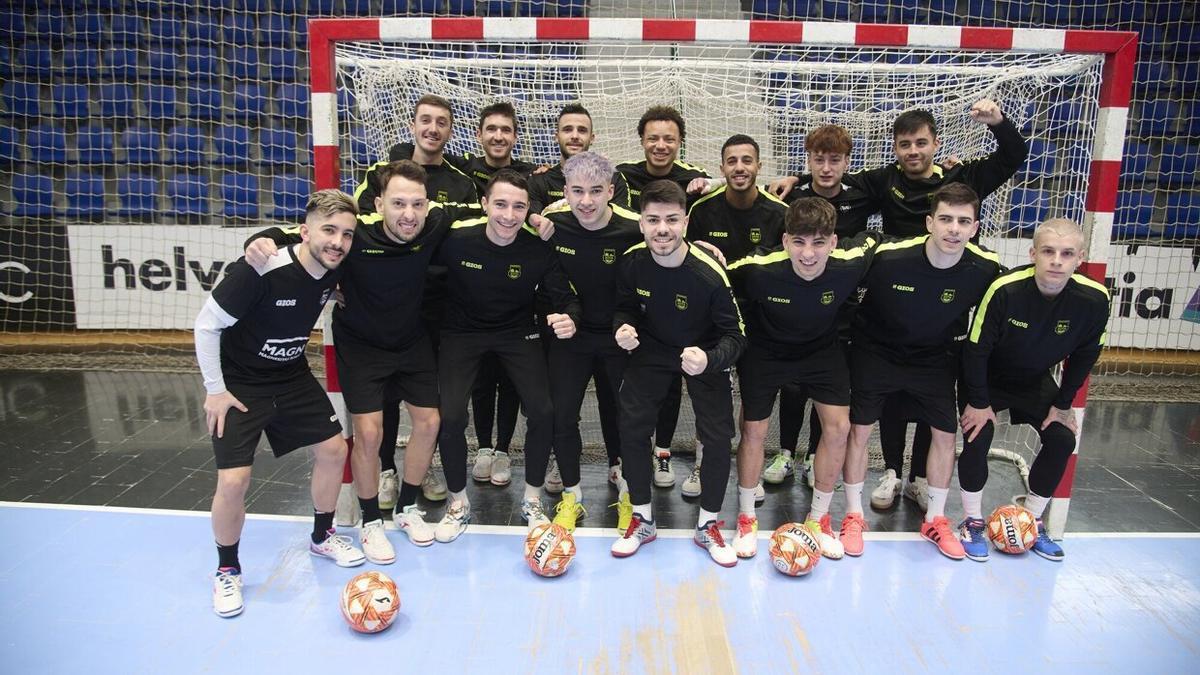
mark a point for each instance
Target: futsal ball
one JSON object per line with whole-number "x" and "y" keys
{"x": 1012, "y": 529}
{"x": 549, "y": 550}
{"x": 794, "y": 549}
{"x": 370, "y": 601}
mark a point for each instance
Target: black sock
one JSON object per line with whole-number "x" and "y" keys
{"x": 387, "y": 461}
{"x": 370, "y": 509}
{"x": 322, "y": 524}
{"x": 408, "y": 495}
{"x": 227, "y": 556}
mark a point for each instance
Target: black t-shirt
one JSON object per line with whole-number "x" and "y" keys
{"x": 638, "y": 178}
{"x": 737, "y": 232}
{"x": 791, "y": 317}
{"x": 446, "y": 183}
{"x": 547, "y": 187}
{"x": 276, "y": 312}
{"x": 914, "y": 312}
{"x": 590, "y": 259}
{"x": 854, "y": 207}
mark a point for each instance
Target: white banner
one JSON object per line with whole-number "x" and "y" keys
{"x": 1155, "y": 293}
{"x": 148, "y": 276}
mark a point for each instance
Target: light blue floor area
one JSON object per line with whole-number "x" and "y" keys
{"x": 89, "y": 590}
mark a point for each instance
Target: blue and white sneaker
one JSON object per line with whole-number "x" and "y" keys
{"x": 974, "y": 540}
{"x": 1045, "y": 546}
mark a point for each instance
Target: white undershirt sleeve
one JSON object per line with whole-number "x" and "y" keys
{"x": 209, "y": 324}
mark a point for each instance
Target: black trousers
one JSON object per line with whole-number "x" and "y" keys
{"x": 647, "y": 383}
{"x": 458, "y": 366}
{"x": 668, "y": 414}
{"x": 572, "y": 363}
{"x": 494, "y": 399}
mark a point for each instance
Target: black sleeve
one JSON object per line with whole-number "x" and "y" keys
{"x": 558, "y": 288}
{"x": 366, "y": 192}
{"x": 874, "y": 182}
{"x": 986, "y": 330}
{"x": 988, "y": 173}
{"x": 728, "y": 321}
{"x": 621, "y": 190}
{"x": 536, "y": 192}
{"x": 629, "y": 308}
{"x": 241, "y": 289}
{"x": 1079, "y": 365}
{"x": 281, "y": 236}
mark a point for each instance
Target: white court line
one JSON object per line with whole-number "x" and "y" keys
{"x": 607, "y": 532}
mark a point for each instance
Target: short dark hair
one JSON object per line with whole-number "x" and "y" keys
{"x": 911, "y": 121}
{"x": 499, "y": 108}
{"x": 739, "y": 139}
{"x": 572, "y": 109}
{"x": 954, "y": 194}
{"x": 664, "y": 192}
{"x": 661, "y": 113}
{"x": 405, "y": 168}
{"x": 810, "y": 216}
{"x": 509, "y": 176}
{"x": 433, "y": 100}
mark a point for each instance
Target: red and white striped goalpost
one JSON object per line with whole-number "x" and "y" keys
{"x": 1118, "y": 49}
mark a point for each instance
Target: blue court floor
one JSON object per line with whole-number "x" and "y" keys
{"x": 95, "y": 589}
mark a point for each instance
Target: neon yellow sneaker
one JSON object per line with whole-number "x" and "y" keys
{"x": 624, "y": 512}
{"x": 568, "y": 510}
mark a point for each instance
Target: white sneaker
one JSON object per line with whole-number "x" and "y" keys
{"x": 745, "y": 540}
{"x": 389, "y": 489}
{"x": 347, "y": 513}
{"x": 883, "y": 497}
{"x": 482, "y": 471}
{"x": 810, "y": 477}
{"x": 410, "y": 521}
{"x": 664, "y": 475}
{"x": 501, "y": 469}
{"x": 780, "y": 468}
{"x": 614, "y": 474}
{"x": 533, "y": 514}
{"x": 553, "y": 483}
{"x": 708, "y": 536}
{"x": 453, "y": 523}
{"x": 338, "y": 548}
{"x": 760, "y": 494}
{"x": 831, "y": 546}
{"x": 691, "y": 484}
{"x": 918, "y": 491}
{"x": 227, "y": 593}
{"x": 639, "y": 532}
{"x": 375, "y": 544}
{"x": 433, "y": 487}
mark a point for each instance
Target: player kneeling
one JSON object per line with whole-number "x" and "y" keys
{"x": 1031, "y": 319}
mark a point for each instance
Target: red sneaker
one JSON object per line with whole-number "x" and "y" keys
{"x": 853, "y": 526}
{"x": 939, "y": 532}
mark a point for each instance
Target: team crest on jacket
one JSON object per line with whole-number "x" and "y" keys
{"x": 609, "y": 256}
{"x": 827, "y": 298}
{"x": 755, "y": 235}
{"x": 1062, "y": 326}
{"x": 680, "y": 301}
{"x": 948, "y": 296}
{"x": 514, "y": 271}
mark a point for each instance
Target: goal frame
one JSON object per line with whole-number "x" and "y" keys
{"x": 1118, "y": 49}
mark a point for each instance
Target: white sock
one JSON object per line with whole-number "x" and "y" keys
{"x": 460, "y": 497}
{"x": 662, "y": 451}
{"x": 501, "y": 454}
{"x": 622, "y": 486}
{"x": 1036, "y": 504}
{"x": 699, "y": 452}
{"x": 643, "y": 511}
{"x": 853, "y": 497}
{"x": 532, "y": 492}
{"x": 706, "y": 516}
{"x": 820, "y": 504}
{"x": 577, "y": 491}
{"x": 745, "y": 500}
{"x": 972, "y": 504}
{"x": 937, "y": 503}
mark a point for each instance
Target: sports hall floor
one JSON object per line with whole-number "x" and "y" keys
{"x": 107, "y": 476}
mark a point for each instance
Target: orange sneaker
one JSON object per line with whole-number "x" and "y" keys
{"x": 939, "y": 532}
{"x": 853, "y": 526}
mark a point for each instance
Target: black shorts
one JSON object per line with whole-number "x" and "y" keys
{"x": 295, "y": 418}
{"x": 928, "y": 388}
{"x": 369, "y": 375}
{"x": 822, "y": 376}
{"x": 1026, "y": 402}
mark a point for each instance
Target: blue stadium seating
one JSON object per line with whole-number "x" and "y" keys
{"x": 12, "y": 27}
{"x": 249, "y": 102}
{"x": 942, "y": 12}
{"x": 242, "y": 63}
{"x": 204, "y": 102}
{"x": 203, "y": 29}
{"x": 185, "y": 146}
{"x": 239, "y": 194}
{"x": 47, "y": 144}
{"x": 188, "y": 195}
{"x": 358, "y": 150}
{"x": 767, "y": 9}
{"x": 1029, "y": 207}
{"x": 291, "y": 101}
{"x": 1183, "y": 208}
{"x": 166, "y": 30}
{"x": 250, "y": 6}
{"x": 69, "y": 100}
{"x": 495, "y": 7}
{"x": 138, "y": 195}
{"x": 290, "y": 195}
{"x": 276, "y": 30}
{"x": 164, "y": 63}
{"x": 231, "y": 145}
{"x": 356, "y": 7}
{"x": 298, "y": 6}
{"x": 535, "y": 7}
{"x": 1042, "y": 159}
{"x": 836, "y": 10}
{"x": 95, "y": 144}
{"x": 141, "y": 144}
{"x": 1156, "y": 118}
{"x": 22, "y": 99}
{"x": 126, "y": 29}
{"x": 572, "y": 8}
{"x": 1135, "y": 164}
{"x": 1178, "y": 164}
{"x": 80, "y": 61}
{"x": 85, "y": 195}
{"x": 159, "y": 102}
{"x": 33, "y": 195}
{"x": 1065, "y": 116}
{"x": 120, "y": 64}
{"x": 1135, "y": 211}
{"x": 1152, "y": 78}
{"x": 874, "y": 11}
{"x": 9, "y": 147}
{"x": 282, "y": 63}
{"x": 239, "y": 29}
{"x": 34, "y": 60}
{"x": 277, "y": 146}
{"x": 50, "y": 24}
{"x": 116, "y": 101}
{"x": 200, "y": 63}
